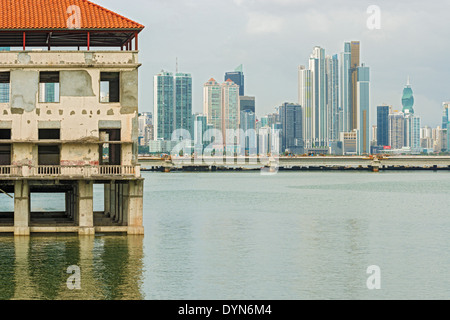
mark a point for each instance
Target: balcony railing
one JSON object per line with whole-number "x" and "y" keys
{"x": 10, "y": 171}
{"x": 70, "y": 171}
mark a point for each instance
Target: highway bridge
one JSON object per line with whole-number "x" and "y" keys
{"x": 372, "y": 163}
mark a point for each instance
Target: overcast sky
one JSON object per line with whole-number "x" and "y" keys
{"x": 271, "y": 38}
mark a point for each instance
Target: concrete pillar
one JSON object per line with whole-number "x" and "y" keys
{"x": 117, "y": 198}
{"x": 136, "y": 207}
{"x": 113, "y": 206}
{"x": 125, "y": 203}
{"x": 120, "y": 203}
{"x": 107, "y": 194}
{"x": 21, "y": 208}
{"x": 75, "y": 197}
{"x": 86, "y": 207}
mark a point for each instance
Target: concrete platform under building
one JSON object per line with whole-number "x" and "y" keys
{"x": 123, "y": 206}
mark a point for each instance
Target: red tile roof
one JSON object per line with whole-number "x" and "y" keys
{"x": 53, "y": 14}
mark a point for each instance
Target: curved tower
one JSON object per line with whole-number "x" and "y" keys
{"x": 408, "y": 99}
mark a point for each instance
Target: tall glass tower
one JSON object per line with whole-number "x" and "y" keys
{"x": 363, "y": 109}
{"x": 332, "y": 65}
{"x": 408, "y": 99}
{"x": 183, "y": 101}
{"x": 345, "y": 88}
{"x": 237, "y": 76}
{"x": 320, "y": 115}
{"x": 305, "y": 99}
{"x": 163, "y": 106}
{"x": 383, "y": 126}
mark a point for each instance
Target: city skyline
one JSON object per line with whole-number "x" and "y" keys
{"x": 259, "y": 30}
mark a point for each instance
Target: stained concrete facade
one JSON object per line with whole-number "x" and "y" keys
{"x": 83, "y": 122}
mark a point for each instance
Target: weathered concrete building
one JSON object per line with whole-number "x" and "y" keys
{"x": 69, "y": 116}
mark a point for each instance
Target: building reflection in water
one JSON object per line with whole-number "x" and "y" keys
{"x": 111, "y": 267}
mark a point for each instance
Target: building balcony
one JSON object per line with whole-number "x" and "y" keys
{"x": 112, "y": 172}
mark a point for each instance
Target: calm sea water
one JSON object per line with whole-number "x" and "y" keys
{"x": 246, "y": 236}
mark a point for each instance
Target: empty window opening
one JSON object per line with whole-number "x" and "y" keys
{"x": 109, "y": 87}
{"x": 99, "y": 198}
{"x": 48, "y": 155}
{"x": 49, "y": 134}
{"x": 49, "y": 87}
{"x": 4, "y": 87}
{"x": 5, "y": 134}
{"x": 48, "y": 202}
{"x": 110, "y": 154}
{"x": 5, "y": 154}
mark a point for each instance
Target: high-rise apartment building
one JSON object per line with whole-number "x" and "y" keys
{"x": 396, "y": 130}
{"x": 221, "y": 106}
{"x": 306, "y": 100}
{"x": 332, "y": 74}
{"x": 363, "y": 110}
{"x": 320, "y": 111}
{"x": 172, "y": 104}
{"x": 354, "y": 65}
{"x": 163, "y": 113}
{"x": 183, "y": 101}
{"x": 345, "y": 88}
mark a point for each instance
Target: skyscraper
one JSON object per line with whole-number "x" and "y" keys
{"x": 383, "y": 126}
{"x": 292, "y": 131}
{"x": 354, "y": 64}
{"x": 320, "y": 114}
{"x": 305, "y": 99}
{"x": 231, "y": 114}
{"x": 408, "y": 99}
{"x": 212, "y": 104}
{"x": 345, "y": 88}
{"x": 221, "y": 105}
{"x": 396, "y": 130}
{"x": 363, "y": 109}
{"x": 237, "y": 76}
{"x": 164, "y": 118}
{"x": 332, "y": 74}
{"x": 183, "y": 101}
{"x": 415, "y": 133}
{"x": 408, "y": 111}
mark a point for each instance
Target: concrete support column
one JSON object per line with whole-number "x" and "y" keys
{"x": 117, "y": 198}
{"x": 21, "y": 208}
{"x": 75, "y": 198}
{"x": 112, "y": 202}
{"x": 120, "y": 203}
{"x": 86, "y": 207}
{"x": 136, "y": 207}
{"x": 107, "y": 204}
{"x": 125, "y": 203}
{"x": 67, "y": 198}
